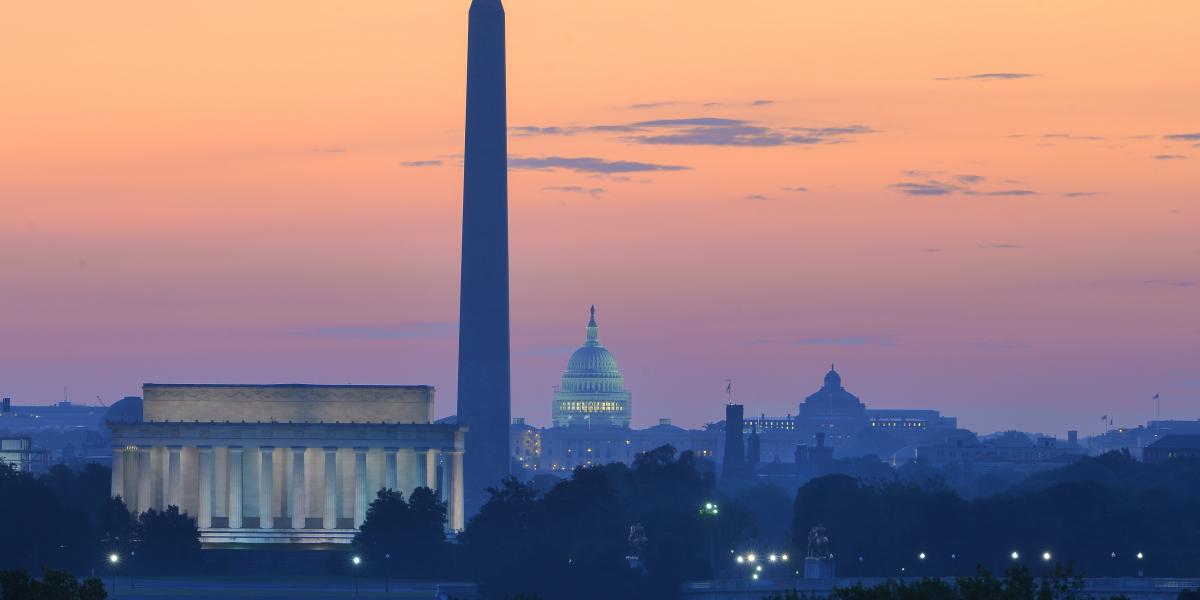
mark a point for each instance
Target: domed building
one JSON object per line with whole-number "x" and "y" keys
{"x": 832, "y": 411}
{"x": 593, "y": 391}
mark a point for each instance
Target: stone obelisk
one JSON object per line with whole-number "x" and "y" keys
{"x": 483, "y": 337}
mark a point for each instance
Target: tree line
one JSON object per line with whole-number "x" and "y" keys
{"x": 66, "y": 519}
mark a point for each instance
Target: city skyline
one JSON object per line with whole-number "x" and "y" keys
{"x": 1004, "y": 233}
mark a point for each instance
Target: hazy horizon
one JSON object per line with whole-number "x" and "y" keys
{"x": 984, "y": 210}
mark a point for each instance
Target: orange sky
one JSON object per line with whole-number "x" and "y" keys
{"x": 218, "y": 191}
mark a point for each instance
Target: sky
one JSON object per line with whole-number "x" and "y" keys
{"x": 984, "y": 208}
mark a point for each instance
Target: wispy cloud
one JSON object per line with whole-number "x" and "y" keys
{"x": 707, "y": 131}
{"x": 400, "y": 331}
{"x": 1183, "y": 137}
{"x": 528, "y": 130}
{"x": 1002, "y": 193}
{"x": 1071, "y": 136}
{"x": 756, "y": 197}
{"x": 574, "y": 189}
{"x": 1001, "y": 246}
{"x": 1080, "y": 194}
{"x": 931, "y": 187}
{"x": 647, "y": 105}
{"x": 795, "y": 189}
{"x": 587, "y": 164}
{"x": 1169, "y": 157}
{"x": 712, "y": 131}
{"x": 988, "y": 77}
{"x": 422, "y": 163}
{"x": 664, "y": 104}
{"x": 851, "y": 341}
{"x": 934, "y": 183}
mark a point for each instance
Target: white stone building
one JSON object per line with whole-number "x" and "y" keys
{"x": 282, "y": 463}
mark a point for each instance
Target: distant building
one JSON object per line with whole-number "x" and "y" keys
{"x": 753, "y": 450}
{"x": 832, "y": 411}
{"x": 843, "y": 418}
{"x": 561, "y": 449}
{"x": 734, "y": 464}
{"x": 1011, "y": 450}
{"x": 1135, "y": 439}
{"x": 593, "y": 391}
{"x": 815, "y": 459}
{"x": 62, "y": 415}
{"x": 17, "y": 452}
{"x": 1173, "y": 447}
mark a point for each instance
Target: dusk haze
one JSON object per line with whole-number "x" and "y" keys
{"x": 705, "y": 300}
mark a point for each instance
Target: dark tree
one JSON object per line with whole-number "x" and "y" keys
{"x": 54, "y": 585}
{"x": 37, "y": 528}
{"x": 573, "y": 541}
{"x": 405, "y": 538}
{"x": 115, "y": 526}
{"x": 167, "y": 541}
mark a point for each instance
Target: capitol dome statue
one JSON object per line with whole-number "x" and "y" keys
{"x": 593, "y": 391}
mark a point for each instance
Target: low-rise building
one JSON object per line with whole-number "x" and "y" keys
{"x": 17, "y": 453}
{"x": 1173, "y": 447}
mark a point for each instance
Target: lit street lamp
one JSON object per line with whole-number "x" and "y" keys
{"x": 1015, "y": 555}
{"x": 356, "y": 561}
{"x": 1046, "y": 556}
{"x": 113, "y": 559}
{"x": 709, "y": 511}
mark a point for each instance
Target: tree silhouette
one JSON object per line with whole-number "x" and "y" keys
{"x": 404, "y": 538}
{"x": 168, "y": 541}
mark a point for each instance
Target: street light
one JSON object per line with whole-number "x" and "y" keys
{"x": 1015, "y": 555}
{"x": 921, "y": 556}
{"x": 751, "y": 558}
{"x": 1046, "y": 556}
{"x": 356, "y": 560}
{"x": 113, "y": 559}
{"x": 387, "y": 557}
{"x": 772, "y": 558}
{"x": 711, "y": 510}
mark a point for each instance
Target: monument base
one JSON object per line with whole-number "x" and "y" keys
{"x": 819, "y": 568}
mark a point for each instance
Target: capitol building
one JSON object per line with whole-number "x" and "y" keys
{"x": 593, "y": 391}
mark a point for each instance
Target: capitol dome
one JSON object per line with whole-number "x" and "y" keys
{"x": 592, "y": 361}
{"x": 593, "y": 391}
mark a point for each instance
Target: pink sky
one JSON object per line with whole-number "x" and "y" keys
{"x": 998, "y": 219}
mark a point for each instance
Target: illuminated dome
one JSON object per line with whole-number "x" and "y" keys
{"x": 593, "y": 391}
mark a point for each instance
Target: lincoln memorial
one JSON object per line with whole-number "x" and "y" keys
{"x": 282, "y": 463}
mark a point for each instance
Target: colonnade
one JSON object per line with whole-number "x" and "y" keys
{"x": 287, "y": 487}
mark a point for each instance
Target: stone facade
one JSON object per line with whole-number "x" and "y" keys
{"x": 285, "y": 471}
{"x": 288, "y": 403}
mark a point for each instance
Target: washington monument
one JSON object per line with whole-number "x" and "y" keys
{"x": 483, "y": 337}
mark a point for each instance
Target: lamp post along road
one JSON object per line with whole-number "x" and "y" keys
{"x": 113, "y": 559}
